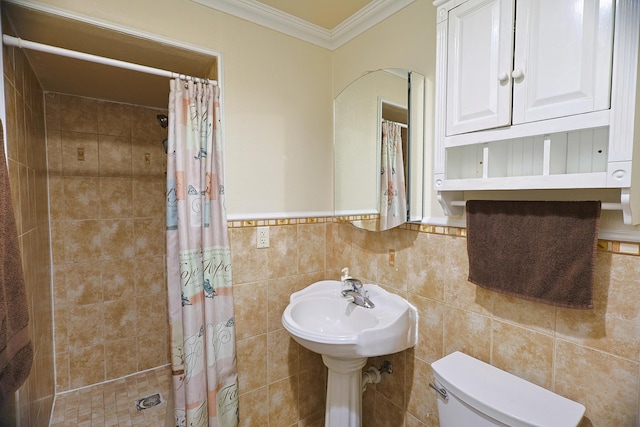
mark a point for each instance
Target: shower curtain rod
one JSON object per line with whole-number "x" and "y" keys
{"x": 25, "y": 44}
{"x": 402, "y": 125}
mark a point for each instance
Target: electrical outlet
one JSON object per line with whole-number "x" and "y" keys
{"x": 262, "y": 237}
{"x": 392, "y": 258}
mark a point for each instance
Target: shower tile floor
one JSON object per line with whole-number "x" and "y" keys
{"x": 113, "y": 404}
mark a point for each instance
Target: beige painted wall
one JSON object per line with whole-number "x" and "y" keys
{"x": 277, "y": 95}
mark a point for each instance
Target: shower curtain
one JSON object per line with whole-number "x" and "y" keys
{"x": 203, "y": 354}
{"x": 393, "y": 199}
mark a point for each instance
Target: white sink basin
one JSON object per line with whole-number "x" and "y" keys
{"x": 322, "y": 320}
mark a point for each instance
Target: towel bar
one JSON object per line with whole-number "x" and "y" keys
{"x": 603, "y": 206}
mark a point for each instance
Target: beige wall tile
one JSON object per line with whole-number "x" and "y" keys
{"x": 283, "y": 402}
{"x": 254, "y": 407}
{"x": 149, "y": 276}
{"x": 120, "y": 358}
{"x": 118, "y": 279}
{"x": 395, "y": 276}
{"x": 20, "y": 136}
{"x": 524, "y": 353}
{"x": 283, "y": 251}
{"x": 411, "y": 421}
{"x": 79, "y": 154}
{"x": 81, "y": 198}
{"x": 114, "y": 118}
{"x": 278, "y": 293}
{"x": 52, "y": 117}
{"x": 148, "y": 198}
{"x": 533, "y": 315}
{"x": 312, "y": 385}
{"x": 144, "y": 123}
{"x": 57, "y": 242}
{"x": 388, "y": 414}
{"x": 78, "y": 114}
{"x": 153, "y": 350}
{"x": 83, "y": 284}
{"x": 607, "y": 385}
{"x": 282, "y": 356}
{"x": 149, "y": 236}
{"x": 81, "y": 240}
{"x": 459, "y": 291}
{"x": 151, "y": 313}
{"x": 62, "y": 372}
{"x": 116, "y": 197}
{"x": 311, "y": 247}
{"x": 148, "y": 158}
{"x": 249, "y": 264}
{"x": 250, "y": 309}
{"x": 86, "y": 328}
{"x": 430, "y": 328}
{"x": 61, "y": 332}
{"x": 612, "y": 325}
{"x": 120, "y": 320}
{"x": 114, "y": 156}
{"x": 393, "y": 389}
{"x": 252, "y": 363}
{"x": 117, "y": 238}
{"x": 467, "y": 332}
{"x": 421, "y": 399}
{"x": 54, "y": 153}
{"x": 86, "y": 366}
{"x": 10, "y": 126}
{"x": 14, "y": 178}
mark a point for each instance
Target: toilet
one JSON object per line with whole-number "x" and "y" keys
{"x": 475, "y": 394}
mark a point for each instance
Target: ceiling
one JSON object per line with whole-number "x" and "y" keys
{"x": 327, "y": 23}
{"x": 327, "y": 14}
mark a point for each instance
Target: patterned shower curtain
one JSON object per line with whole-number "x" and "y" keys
{"x": 393, "y": 199}
{"x": 203, "y": 354}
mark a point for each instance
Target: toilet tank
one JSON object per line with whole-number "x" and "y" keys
{"x": 482, "y": 395}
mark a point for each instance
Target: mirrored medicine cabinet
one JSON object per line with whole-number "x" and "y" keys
{"x": 361, "y": 192}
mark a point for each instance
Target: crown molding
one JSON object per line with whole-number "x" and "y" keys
{"x": 267, "y": 16}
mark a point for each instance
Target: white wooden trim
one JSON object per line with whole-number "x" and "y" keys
{"x": 277, "y": 215}
{"x": 272, "y": 18}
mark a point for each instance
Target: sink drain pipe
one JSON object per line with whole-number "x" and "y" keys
{"x": 373, "y": 375}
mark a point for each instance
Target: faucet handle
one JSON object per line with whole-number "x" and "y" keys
{"x": 353, "y": 283}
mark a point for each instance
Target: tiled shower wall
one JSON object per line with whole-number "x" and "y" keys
{"x": 25, "y": 135}
{"x": 106, "y": 178}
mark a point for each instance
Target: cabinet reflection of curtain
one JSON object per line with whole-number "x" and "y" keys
{"x": 393, "y": 199}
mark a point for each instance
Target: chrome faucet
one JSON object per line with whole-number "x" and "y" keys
{"x": 352, "y": 288}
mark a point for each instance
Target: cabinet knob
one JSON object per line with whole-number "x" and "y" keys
{"x": 517, "y": 73}
{"x": 503, "y": 77}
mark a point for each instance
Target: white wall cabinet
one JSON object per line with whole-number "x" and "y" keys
{"x": 536, "y": 94}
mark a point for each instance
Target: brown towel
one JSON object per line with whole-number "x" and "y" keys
{"x": 16, "y": 351}
{"x": 540, "y": 251}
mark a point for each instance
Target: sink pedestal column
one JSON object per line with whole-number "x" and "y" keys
{"x": 344, "y": 391}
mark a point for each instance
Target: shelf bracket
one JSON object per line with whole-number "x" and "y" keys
{"x": 452, "y": 202}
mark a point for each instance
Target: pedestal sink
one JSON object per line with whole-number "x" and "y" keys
{"x": 345, "y": 334}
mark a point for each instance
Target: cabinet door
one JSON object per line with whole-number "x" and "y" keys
{"x": 562, "y": 60}
{"x": 479, "y": 63}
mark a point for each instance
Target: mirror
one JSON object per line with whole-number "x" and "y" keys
{"x": 382, "y": 102}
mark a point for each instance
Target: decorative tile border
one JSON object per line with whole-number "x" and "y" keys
{"x": 280, "y": 221}
{"x": 616, "y": 247}
{"x": 624, "y": 248}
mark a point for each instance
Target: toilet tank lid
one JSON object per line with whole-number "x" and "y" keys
{"x": 503, "y": 396}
